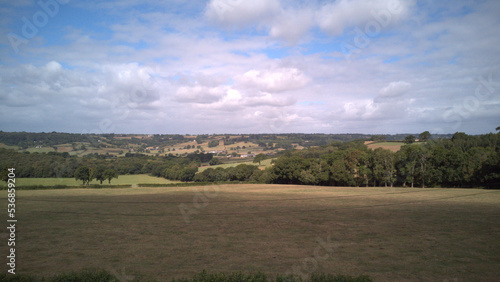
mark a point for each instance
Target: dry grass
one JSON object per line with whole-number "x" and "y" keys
{"x": 393, "y": 146}
{"x": 387, "y": 233}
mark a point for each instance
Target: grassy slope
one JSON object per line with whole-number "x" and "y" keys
{"x": 389, "y": 234}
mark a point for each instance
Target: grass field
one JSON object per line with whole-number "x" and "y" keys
{"x": 393, "y": 146}
{"x": 121, "y": 180}
{"x": 2, "y": 145}
{"x": 387, "y": 233}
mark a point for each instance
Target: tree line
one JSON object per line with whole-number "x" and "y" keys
{"x": 53, "y": 164}
{"x": 460, "y": 161}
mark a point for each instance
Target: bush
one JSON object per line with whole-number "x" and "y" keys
{"x": 5, "y": 277}
{"x": 206, "y": 276}
{"x": 85, "y": 275}
{"x": 321, "y": 277}
{"x": 215, "y": 161}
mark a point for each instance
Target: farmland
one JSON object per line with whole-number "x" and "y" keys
{"x": 131, "y": 180}
{"x": 386, "y": 233}
{"x": 392, "y": 146}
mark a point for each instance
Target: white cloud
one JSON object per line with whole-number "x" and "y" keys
{"x": 200, "y": 94}
{"x": 275, "y": 80}
{"x": 336, "y": 16}
{"x": 267, "y": 99}
{"x": 239, "y": 13}
{"x": 292, "y": 24}
{"x": 53, "y": 66}
{"x": 395, "y": 89}
{"x": 261, "y": 66}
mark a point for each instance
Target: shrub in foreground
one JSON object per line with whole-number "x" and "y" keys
{"x": 206, "y": 276}
{"x": 99, "y": 275}
{"x": 85, "y": 275}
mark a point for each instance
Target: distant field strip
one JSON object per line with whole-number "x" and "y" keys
{"x": 121, "y": 180}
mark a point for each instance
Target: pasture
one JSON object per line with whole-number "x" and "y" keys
{"x": 161, "y": 233}
{"x": 121, "y": 180}
{"x": 393, "y": 146}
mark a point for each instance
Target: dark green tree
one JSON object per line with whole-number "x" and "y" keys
{"x": 98, "y": 174}
{"x": 4, "y": 174}
{"x": 260, "y": 157}
{"x": 213, "y": 143}
{"x": 424, "y": 136}
{"x": 110, "y": 174}
{"x": 187, "y": 174}
{"x": 215, "y": 161}
{"x": 83, "y": 173}
{"x": 408, "y": 160}
{"x": 383, "y": 166}
{"x": 409, "y": 139}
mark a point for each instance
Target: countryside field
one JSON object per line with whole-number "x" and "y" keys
{"x": 386, "y": 233}
{"x": 121, "y": 180}
{"x": 393, "y": 146}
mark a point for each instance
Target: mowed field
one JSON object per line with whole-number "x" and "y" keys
{"x": 161, "y": 233}
{"x": 392, "y": 146}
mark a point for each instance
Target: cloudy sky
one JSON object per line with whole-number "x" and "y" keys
{"x": 240, "y": 66}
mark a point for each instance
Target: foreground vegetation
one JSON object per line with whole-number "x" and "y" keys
{"x": 99, "y": 275}
{"x": 163, "y": 233}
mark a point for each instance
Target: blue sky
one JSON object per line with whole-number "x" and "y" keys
{"x": 261, "y": 66}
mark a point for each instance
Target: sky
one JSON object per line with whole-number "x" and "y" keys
{"x": 260, "y": 66}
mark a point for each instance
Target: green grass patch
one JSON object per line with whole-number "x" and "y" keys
{"x": 121, "y": 180}
{"x": 40, "y": 150}
{"x": 2, "y": 145}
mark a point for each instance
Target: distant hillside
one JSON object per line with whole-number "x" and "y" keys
{"x": 235, "y": 145}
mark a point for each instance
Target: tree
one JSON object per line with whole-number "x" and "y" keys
{"x": 187, "y": 173}
{"x": 110, "y": 174}
{"x": 83, "y": 173}
{"x": 98, "y": 174}
{"x": 377, "y": 138}
{"x": 424, "y": 136}
{"x": 423, "y": 156}
{"x": 260, "y": 157}
{"x": 383, "y": 166}
{"x": 213, "y": 143}
{"x": 215, "y": 161}
{"x": 498, "y": 128}
{"x": 4, "y": 174}
{"x": 408, "y": 159}
{"x": 409, "y": 139}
